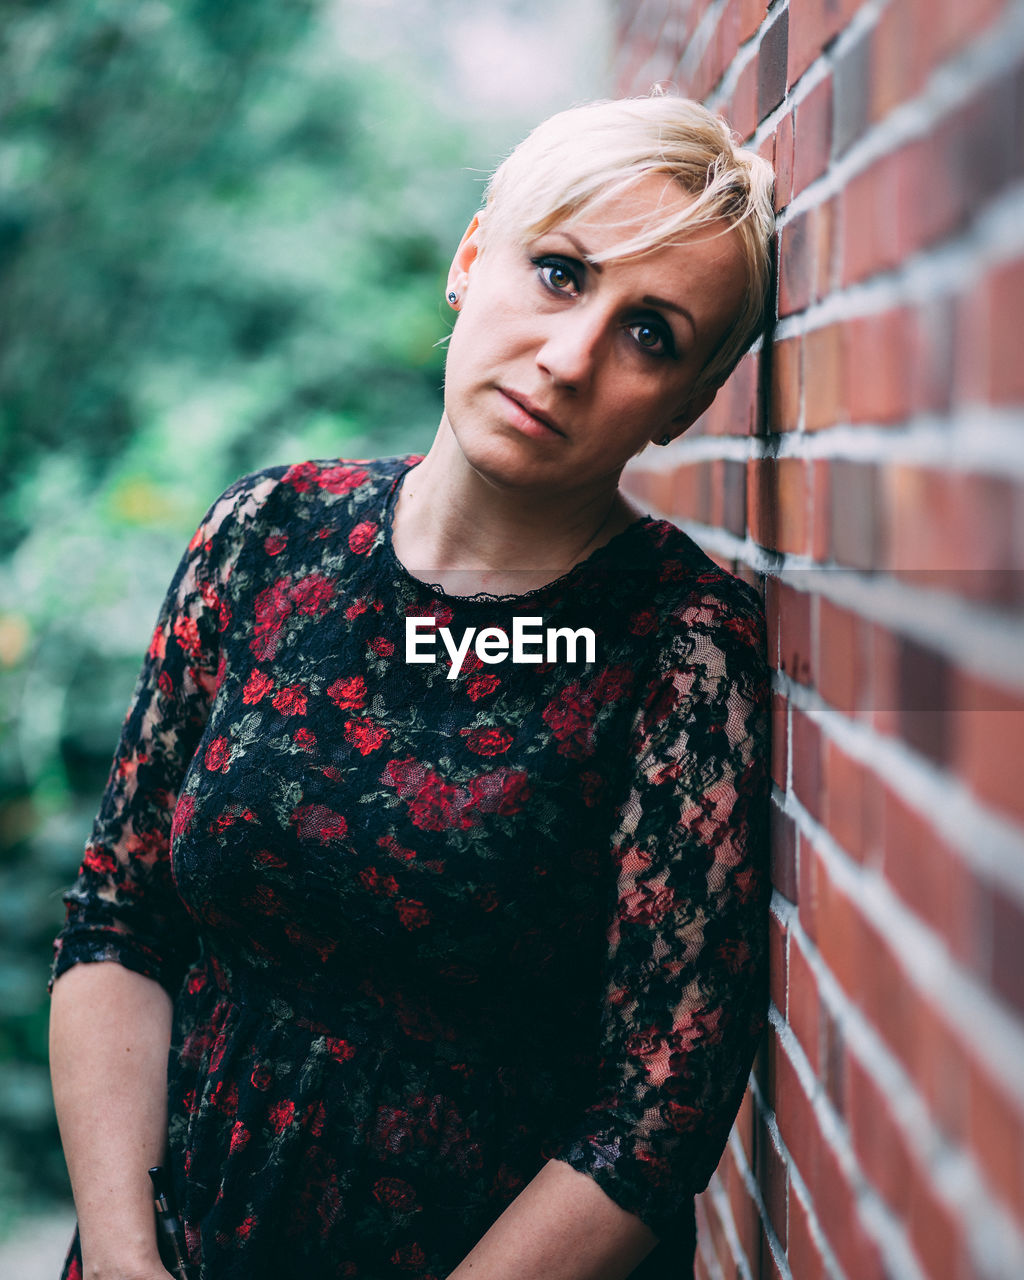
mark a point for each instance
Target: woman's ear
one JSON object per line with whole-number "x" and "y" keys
{"x": 465, "y": 256}
{"x": 688, "y": 415}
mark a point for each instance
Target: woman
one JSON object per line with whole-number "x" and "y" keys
{"x": 460, "y": 953}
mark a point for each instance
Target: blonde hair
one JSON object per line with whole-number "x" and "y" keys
{"x": 580, "y": 158}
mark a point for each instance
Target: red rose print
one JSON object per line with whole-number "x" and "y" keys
{"x": 593, "y": 787}
{"x": 281, "y": 1115}
{"x": 361, "y": 538}
{"x": 300, "y": 476}
{"x": 382, "y": 646}
{"x": 480, "y": 686}
{"x": 275, "y": 543}
{"x": 571, "y": 717}
{"x": 102, "y": 861}
{"x": 305, "y": 739}
{"x": 364, "y": 735}
{"x": 414, "y": 915}
{"x": 239, "y": 1136}
{"x": 317, "y": 822}
{"x": 262, "y": 1077}
{"x": 647, "y": 904}
{"x": 395, "y": 1193}
{"x": 643, "y": 622}
{"x": 312, "y": 594}
{"x": 408, "y": 1257}
{"x": 183, "y": 812}
{"x": 340, "y": 1050}
{"x": 291, "y": 700}
{"x": 186, "y": 631}
{"x": 348, "y": 692}
{"x": 488, "y": 742}
{"x": 157, "y": 645}
{"x": 371, "y": 879}
{"x": 504, "y": 791}
{"x": 440, "y": 806}
{"x": 218, "y": 756}
{"x": 256, "y": 687}
{"x": 272, "y": 607}
{"x": 611, "y": 684}
{"x": 165, "y": 684}
{"x": 340, "y": 479}
{"x": 355, "y": 609}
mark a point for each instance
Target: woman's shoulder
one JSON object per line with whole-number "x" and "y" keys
{"x": 300, "y": 490}
{"x": 685, "y": 586}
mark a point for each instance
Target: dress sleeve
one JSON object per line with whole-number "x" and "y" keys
{"x": 123, "y": 905}
{"x": 685, "y": 997}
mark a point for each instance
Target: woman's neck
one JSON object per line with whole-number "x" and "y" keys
{"x": 455, "y": 527}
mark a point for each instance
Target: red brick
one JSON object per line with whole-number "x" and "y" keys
{"x": 1005, "y": 916}
{"x": 840, "y": 657}
{"x": 784, "y": 161}
{"x": 812, "y": 24}
{"x": 804, "y": 1004}
{"x": 812, "y": 128}
{"x": 773, "y": 1179}
{"x": 924, "y": 705}
{"x": 806, "y": 748}
{"x": 786, "y": 376}
{"x": 929, "y": 877}
{"x": 777, "y": 965}
{"x": 884, "y": 992}
{"x": 826, "y": 275}
{"x": 795, "y": 1114}
{"x": 805, "y": 1260}
{"x": 941, "y": 1069}
{"x": 823, "y": 377}
{"x": 751, "y": 15}
{"x": 794, "y": 630}
{"x": 884, "y": 678}
{"x": 821, "y": 511}
{"x": 728, "y": 491}
{"x": 838, "y": 929}
{"x": 797, "y": 264}
{"x": 897, "y": 70}
{"x": 743, "y": 117}
{"x": 876, "y": 359}
{"x": 777, "y": 498}
{"x": 745, "y": 1216}
{"x": 996, "y": 1134}
{"x": 833, "y": 1058}
{"x": 857, "y": 536}
{"x": 988, "y": 728}
{"x": 1006, "y": 311}
{"x": 783, "y": 854}
{"x": 771, "y": 62}
{"x": 808, "y": 881}
{"x": 872, "y": 232}
{"x": 951, "y": 26}
{"x": 780, "y": 740}
{"x": 932, "y": 359}
{"x": 852, "y": 804}
{"x": 856, "y": 1252}
{"x": 936, "y": 1230}
{"x": 878, "y": 1142}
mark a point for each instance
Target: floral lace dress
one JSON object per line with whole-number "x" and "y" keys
{"x": 424, "y": 934}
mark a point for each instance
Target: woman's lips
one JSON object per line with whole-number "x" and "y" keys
{"x": 528, "y": 415}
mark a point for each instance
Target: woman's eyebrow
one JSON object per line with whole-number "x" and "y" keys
{"x": 671, "y": 306}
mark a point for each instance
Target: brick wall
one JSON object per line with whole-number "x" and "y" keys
{"x": 867, "y": 465}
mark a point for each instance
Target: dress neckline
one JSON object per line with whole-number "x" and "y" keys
{"x": 406, "y": 464}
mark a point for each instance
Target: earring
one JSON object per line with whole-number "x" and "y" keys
{"x": 665, "y": 440}
{"x": 453, "y": 297}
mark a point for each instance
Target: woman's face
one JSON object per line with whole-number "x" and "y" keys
{"x": 559, "y": 370}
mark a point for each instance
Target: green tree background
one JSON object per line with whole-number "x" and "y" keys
{"x": 223, "y": 244}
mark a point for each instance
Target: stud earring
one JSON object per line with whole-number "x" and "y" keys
{"x": 453, "y": 297}
{"x": 664, "y": 440}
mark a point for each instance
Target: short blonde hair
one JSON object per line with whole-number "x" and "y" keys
{"x": 579, "y": 158}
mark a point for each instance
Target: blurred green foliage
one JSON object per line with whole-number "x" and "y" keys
{"x": 222, "y": 244}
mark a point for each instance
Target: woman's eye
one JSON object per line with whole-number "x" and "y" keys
{"x": 557, "y": 275}
{"x": 651, "y": 338}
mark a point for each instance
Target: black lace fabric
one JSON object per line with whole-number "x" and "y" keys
{"x": 424, "y": 934}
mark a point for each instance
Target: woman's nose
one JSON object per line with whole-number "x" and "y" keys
{"x": 572, "y": 348}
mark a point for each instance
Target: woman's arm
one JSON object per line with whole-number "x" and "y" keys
{"x": 561, "y": 1226}
{"x": 110, "y": 1030}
